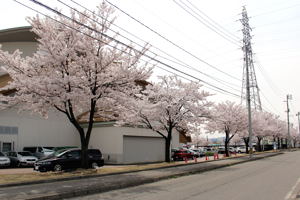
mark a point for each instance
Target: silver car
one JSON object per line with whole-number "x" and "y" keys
{"x": 21, "y": 158}
{"x": 4, "y": 160}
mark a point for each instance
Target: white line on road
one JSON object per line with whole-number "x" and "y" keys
{"x": 291, "y": 195}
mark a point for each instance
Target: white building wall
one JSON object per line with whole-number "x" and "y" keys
{"x": 34, "y": 130}
{"x": 109, "y": 139}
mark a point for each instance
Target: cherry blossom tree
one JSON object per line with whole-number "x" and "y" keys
{"x": 278, "y": 128}
{"x": 202, "y": 141}
{"x": 236, "y": 140}
{"x": 244, "y": 135}
{"x": 196, "y": 138}
{"x": 262, "y": 126}
{"x": 168, "y": 105}
{"x": 229, "y": 118}
{"x": 75, "y": 69}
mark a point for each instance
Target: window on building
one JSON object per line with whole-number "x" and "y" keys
{"x": 6, "y": 146}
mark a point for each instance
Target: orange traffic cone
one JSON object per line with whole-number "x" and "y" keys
{"x": 206, "y": 158}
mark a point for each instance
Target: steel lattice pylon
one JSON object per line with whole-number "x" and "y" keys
{"x": 248, "y": 63}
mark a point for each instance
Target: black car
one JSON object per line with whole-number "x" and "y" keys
{"x": 68, "y": 159}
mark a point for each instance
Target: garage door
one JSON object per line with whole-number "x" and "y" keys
{"x": 143, "y": 149}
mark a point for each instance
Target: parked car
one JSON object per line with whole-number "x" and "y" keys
{"x": 39, "y": 151}
{"x": 210, "y": 149}
{"x": 200, "y": 153}
{"x": 221, "y": 150}
{"x": 232, "y": 150}
{"x": 195, "y": 153}
{"x": 21, "y": 158}
{"x": 181, "y": 154}
{"x": 4, "y": 160}
{"x": 69, "y": 159}
{"x": 243, "y": 149}
{"x": 173, "y": 151}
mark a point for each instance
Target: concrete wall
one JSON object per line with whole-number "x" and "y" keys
{"x": 109, "y": 139}
{"x": 139, "y": 149}
{"x": 34, "y": 130}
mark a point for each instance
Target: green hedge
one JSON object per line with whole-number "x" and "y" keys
{"x": 209, "y": 153}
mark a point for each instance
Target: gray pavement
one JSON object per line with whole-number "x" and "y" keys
{"x": 84, "y": 186}
{"x": 275, "y": 178}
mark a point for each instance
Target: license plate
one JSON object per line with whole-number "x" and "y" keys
{"x": 36, "y": 167}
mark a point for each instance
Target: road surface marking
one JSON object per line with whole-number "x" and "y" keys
{"x": 291, "y": 195}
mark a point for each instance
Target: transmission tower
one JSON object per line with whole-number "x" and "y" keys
{"x": 248, "y": 67}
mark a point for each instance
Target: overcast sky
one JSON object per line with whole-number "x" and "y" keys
{"x": 218, "y": 60}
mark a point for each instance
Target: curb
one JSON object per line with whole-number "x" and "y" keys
{"x": 125, "y": 172}
{"x": 131, "y": 183}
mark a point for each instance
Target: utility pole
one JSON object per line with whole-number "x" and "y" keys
{"x": 298, "y": 115}
{"x": 288, "y": 97}
{"x": 249, "y": 78}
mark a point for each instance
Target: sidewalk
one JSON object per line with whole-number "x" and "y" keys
{"x": 84, "y": 186}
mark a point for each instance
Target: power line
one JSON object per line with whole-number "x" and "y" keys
{"x": 207, "y": 23}
{"x": 117, "y": 41}
{"x": 216, "y": 23}
{"x": 179, "y": 62}
{"x": 174, "y": 44}
{"x": 222, "y": 54}
{"x": 271, "y": 84}
{"x": 178, "y": 30}
{"x": 203, "y": 85}
{"x": 264, "y": 96}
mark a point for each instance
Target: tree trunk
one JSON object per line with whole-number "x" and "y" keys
{"x": 227, "y": 139}
{"x": 84, "y": 148}
{"x": 226, "y": 148}
{"x": 259, "y": 144}
{"x": 84, "y": 155}
{"x": 246, "y": 141}
{"x": 279, "y": 143}
{"x": 167, "y": 149}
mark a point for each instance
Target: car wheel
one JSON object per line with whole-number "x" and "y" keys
{"x": 57, "y": 168}
{"x": 94, "y": 165}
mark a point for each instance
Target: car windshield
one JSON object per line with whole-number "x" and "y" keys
{"x": 60, "y": 152}
{"x": 1, "y": 154}
{"x": 48, "y": 150}
{"x": 25, "y": 153}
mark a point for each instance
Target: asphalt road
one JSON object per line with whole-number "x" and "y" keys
{"x": 274, "y": 178}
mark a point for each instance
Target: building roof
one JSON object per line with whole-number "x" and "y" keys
{"x": 19, "y": 34}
